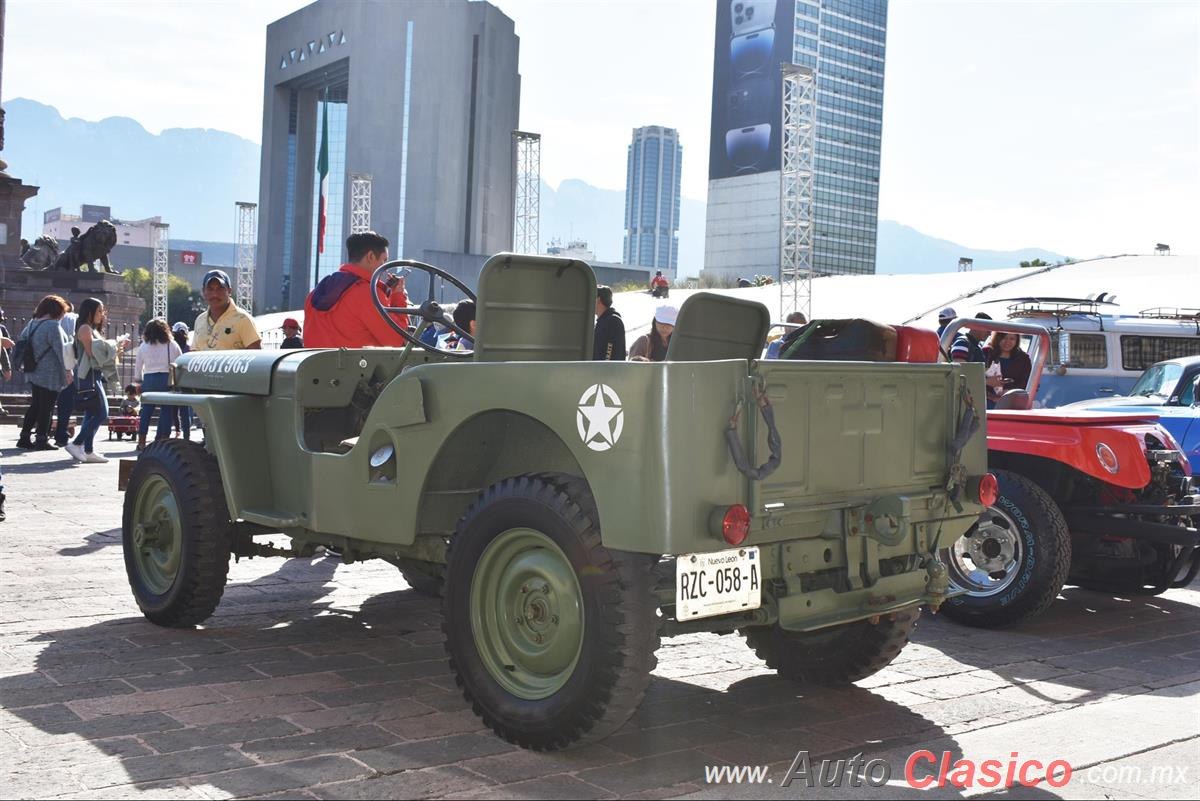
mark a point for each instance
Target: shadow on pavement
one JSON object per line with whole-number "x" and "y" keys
{"x": 298, "y": 681}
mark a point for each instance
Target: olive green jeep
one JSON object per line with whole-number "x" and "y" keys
{"x": 572, "y": 512}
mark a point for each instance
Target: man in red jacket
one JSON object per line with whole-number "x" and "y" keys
{"x": 339, "y": 312}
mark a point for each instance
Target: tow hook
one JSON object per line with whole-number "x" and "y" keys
{"x": 937, "y": 583}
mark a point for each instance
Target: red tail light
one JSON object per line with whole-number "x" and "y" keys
{"x": 989, "y": 489}
{"x": 736, "y": 524}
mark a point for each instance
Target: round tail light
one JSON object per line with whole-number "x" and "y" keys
{"x": 735, "y": 526}
{"x": 989, "y": 489}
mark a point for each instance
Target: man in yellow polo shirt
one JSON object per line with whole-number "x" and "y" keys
{"x": 223, "y": 326}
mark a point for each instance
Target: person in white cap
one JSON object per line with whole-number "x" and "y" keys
{"x": 945, "y": 317}
{"x": 652, "y": 347}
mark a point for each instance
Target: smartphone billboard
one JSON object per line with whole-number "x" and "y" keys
{"x": 753, "y": 38}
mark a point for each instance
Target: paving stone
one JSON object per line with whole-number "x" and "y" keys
{"x": 165, "y": 766}
{"x": 247, "y": 709}
{"x": 154, "y": 701}
{"x": 184, "y": 677}
{"x": 263, "y": 779}
{"x": 426, "y": 783}
{"x": 639, "y": 775}
{"x": 361, "y": 713}
{"x": 351, "y": 696}
{"x": 438, "y": 724}
{"x": 680, "y": 736}
{"x": 549, "y": 787}
{"x": 521, "y": 765}
{"x": 428, "y": 753}
{"x": 219, "y": 734}
{"x": 40, "y": 696}
{"x": 324, "y": 741}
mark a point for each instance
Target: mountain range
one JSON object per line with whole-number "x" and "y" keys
{"x": 191, "y": 177}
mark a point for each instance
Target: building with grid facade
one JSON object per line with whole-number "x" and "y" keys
{"x": 421, "y": 96}
{"x": 844, "y": 42}
{"x": 652, "y": 181}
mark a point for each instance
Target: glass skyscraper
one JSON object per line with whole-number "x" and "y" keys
{"x": 652, "y": 181}
{"x": 844, "y": 41}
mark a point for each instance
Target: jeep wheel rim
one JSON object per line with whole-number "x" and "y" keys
{"x": 985, "y": 560}
{"x": 527, "y": 614}
{"x": 157, "y": 535}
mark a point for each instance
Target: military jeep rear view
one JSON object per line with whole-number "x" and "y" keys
{"x": 572, "y": 512}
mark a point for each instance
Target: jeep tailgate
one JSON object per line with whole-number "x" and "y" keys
{"x": 855, "y": 431}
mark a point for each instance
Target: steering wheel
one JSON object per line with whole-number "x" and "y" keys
{"x": 429, "y": 312}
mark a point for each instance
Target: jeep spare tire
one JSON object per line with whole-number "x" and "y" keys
{"x": 551, "y": 636}
{"x": 1013, "y": 561}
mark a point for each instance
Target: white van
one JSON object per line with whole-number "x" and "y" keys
{"x": 1098, "y": 355}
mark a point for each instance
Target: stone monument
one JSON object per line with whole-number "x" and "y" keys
{"x": 20, "y": 287}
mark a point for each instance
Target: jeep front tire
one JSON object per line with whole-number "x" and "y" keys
{"x": 176, "y": 533}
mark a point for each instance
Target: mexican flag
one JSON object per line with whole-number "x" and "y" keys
{"x": 323, "y": 171}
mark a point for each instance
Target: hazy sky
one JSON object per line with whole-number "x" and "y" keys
{"x": 1073, "y": 126}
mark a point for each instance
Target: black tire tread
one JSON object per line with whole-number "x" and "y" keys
{"x": 207, "y": 532}
{"x": 840, "y": 655}
{"x": 629, "y": 620}
{"x": 1055, "y": 525}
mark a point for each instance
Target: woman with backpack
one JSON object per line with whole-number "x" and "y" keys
{"x": 41, "y": 354}
{"x": 97, "y": 365}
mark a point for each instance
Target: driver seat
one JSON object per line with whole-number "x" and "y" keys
{"x": 1014, "y": 400}
{"x": 535, "y": 309}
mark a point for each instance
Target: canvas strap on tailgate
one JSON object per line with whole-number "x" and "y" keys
{"x": 967, "y": 426}
{"x": 774, "y": 441}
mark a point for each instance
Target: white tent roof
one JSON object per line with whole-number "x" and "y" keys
{"x": 1137, "y": 283}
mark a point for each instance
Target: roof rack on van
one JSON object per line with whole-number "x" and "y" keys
{"x": 1058, "y": 308}
{"x": 1172, "y": 313}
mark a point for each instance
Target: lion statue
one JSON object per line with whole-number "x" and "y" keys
{"x": 41, "y": 254}
{"x": 84, "y": 250}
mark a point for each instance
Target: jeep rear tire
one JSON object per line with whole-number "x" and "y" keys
{"x": 836, "y": 655}
{"x": 176, "y": 533}
{"x": 1013, "y": 562}
{"x": 551, "y": 635}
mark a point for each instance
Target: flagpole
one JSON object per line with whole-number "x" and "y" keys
{"x": 321, "y": 211}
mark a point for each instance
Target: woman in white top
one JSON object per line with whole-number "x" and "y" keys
{"x": 155, "y": 356}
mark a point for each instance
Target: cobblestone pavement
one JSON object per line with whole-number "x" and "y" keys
{"x": 322, "y": 680}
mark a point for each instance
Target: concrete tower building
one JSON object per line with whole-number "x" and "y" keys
{"x": 652, "y": 181}
{"x": 421, "y": 96}
{"x": 844, "y": 42}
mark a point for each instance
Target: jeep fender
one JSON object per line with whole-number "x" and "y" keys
{"x": 1078, "y": 446}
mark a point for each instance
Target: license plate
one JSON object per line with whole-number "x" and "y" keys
{"x": 708, "y": 584}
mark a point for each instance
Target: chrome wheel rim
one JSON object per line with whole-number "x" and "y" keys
{"x": 985, "y": 561}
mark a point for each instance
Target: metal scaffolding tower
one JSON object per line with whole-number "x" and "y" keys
{"x": 360, "y": 203}
{"x": 161, "y": 244}
{"x": 527, "y": 201}
{"x": 247, "y": 239}
{"x": 796, "y": 190}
